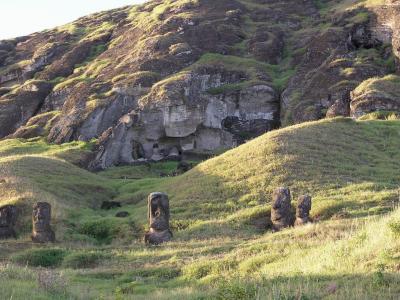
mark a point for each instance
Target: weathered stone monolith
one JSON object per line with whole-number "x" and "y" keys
{"x": 158, "y": 217}
{"x": 8, "y": 218}
{"x": 303, "y": 210}
{"x": 281, "y": 214}
{"x": 41, "y": 217}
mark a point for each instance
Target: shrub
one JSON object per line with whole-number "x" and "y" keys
{"x": 40, "y": 257}
{"x": 197, "y": 270}
{"x": 82, "y": 260}
{"x": 236, "y": 291}
{"x": 103, "y": 230}
{"x": 378, "y": 278}
{"x": 395, "y": 228}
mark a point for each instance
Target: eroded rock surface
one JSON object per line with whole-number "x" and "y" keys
{"x": 159, "y": 80}
{"x": 376, "y": 94}
{"x": 181, "y": 115}
{"x": 363, "y": 44}
{"x": 18, "y": 107}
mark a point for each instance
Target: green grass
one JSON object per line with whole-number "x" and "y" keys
{"x": 83, "y": 259}
{"x": 278, "y": 73}
{"x": 40, "y": 257}
{"x": 388, "y": 86}
{"x": 153, "y": 170}
{"x": 350, "y": 168}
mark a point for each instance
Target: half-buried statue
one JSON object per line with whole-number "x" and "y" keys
{"x": 8, "y": 218}
{"x": 158, "y": 217}
{"x": 281, "y": 214}
{"x": 303, "y": 210}
{"x": 41, "y": 217}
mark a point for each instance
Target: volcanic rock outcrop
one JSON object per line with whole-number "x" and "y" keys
{"x": 376, "y": 94}
{"x": 162, "y": 79}
{"x": 363, "y": 44}
{"x": 178, "y": 113}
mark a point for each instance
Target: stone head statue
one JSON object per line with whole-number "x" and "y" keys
{"x": 303, "y": 210}
{"x": 8, "y": 218}
{"x": 41, "y": 217}
{"x": 281, "y": 215}
{"x": 158, "y": 211}
{"x": 158, "y": 218}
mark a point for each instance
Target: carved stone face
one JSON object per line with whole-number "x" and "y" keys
{"x": 158, "y": 205}
{"x": 8, "y": 216}
{"x": 41, "y": 216}
{"x": 303, "y": 207}
{"x": 281, "y": 208}
{"x": 281, "y": 203}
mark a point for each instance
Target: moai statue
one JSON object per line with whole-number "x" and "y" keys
{"x": 303, "y": 210}
{"x": 158, "y": 217}
{"x": 281, "y": 214}
{"x": 42, "y": 232}
{"x": 8, "y": 218}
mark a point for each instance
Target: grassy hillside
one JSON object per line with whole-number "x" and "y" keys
{"x": 222, "y": 246}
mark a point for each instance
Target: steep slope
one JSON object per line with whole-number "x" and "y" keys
{"x": 345, "y": 164}
{"x": 32, "y": 171}
{"x": 222, "y": 244}
{"x": 167, "y": 78}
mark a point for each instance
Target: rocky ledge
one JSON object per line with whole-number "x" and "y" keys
{"x": 182, "y": 114}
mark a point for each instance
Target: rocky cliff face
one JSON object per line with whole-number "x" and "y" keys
{"x": 178, "y": 115}
{"x": 170, "y": 77}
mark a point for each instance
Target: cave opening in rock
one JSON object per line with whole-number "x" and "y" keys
{"x": 137, "y": 151}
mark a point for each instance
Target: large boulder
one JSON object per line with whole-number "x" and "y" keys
{"x": 376, "y": 94}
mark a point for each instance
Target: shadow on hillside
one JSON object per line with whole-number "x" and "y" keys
{"x": 377, "y": 285}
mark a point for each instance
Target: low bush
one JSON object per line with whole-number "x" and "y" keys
{"x": 40, "y": 257}
{"x": 82, "y": 260}
{"x": 103, "y": 230}
{"x": 236, "y": 291}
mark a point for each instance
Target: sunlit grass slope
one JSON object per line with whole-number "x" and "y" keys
{"x": 347, "y": 166}
{"x": 33, "y": 171}
{"x": 222, "y": 247}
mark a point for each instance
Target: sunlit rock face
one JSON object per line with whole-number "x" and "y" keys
{"x": 183, "y": 113}
{"x": 192, "y": 77}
